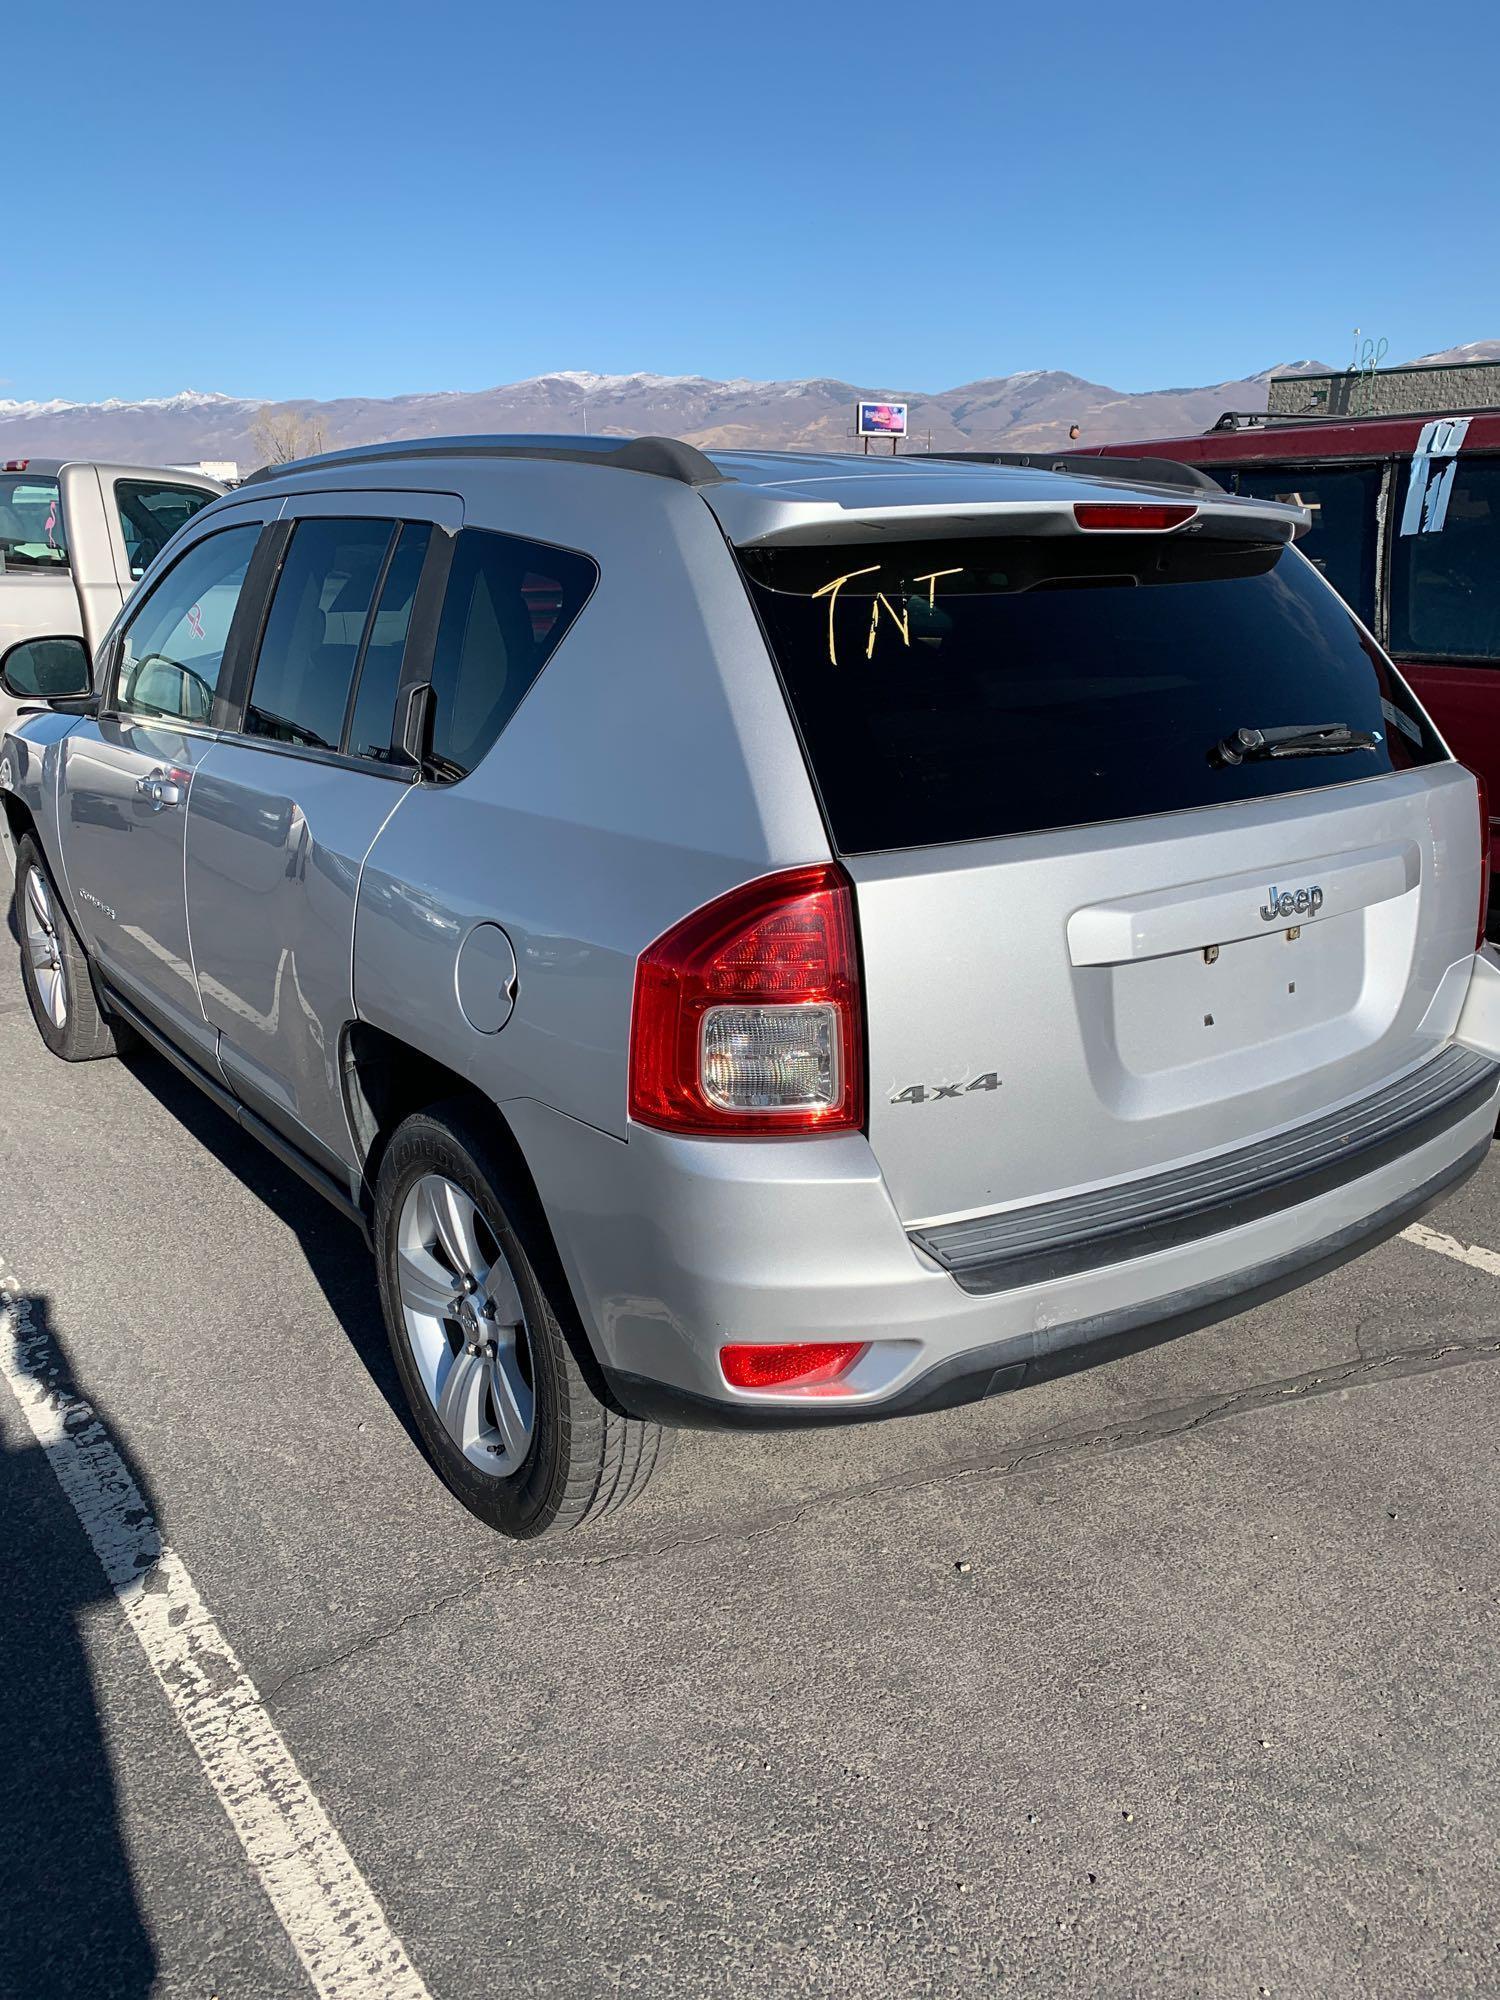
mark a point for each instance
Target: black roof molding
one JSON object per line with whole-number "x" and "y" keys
{"x": 1130, "y": 471}
{"x": 664, "y": 458}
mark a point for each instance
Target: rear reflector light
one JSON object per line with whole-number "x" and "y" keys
{"x": 747, "y": 1014}
{"x": 1137, "y": 518}
{"x": 1486, "y": 857}
{"x": 803, "y": 1364}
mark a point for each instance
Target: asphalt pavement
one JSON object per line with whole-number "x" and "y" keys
{"x": 1175, "y": 1676}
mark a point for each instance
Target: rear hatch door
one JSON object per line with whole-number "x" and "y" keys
{"x": 1102, "y": 934}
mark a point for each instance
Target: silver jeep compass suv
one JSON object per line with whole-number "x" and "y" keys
{"x": 765, "y": 938}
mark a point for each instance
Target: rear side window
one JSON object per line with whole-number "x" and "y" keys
{"x": 1343, "y": 541}
{"x": 150, "y": 515}
{"x": 1445, "y": 578}
{"x": 307, "y": 657}
{"x": 32, "y": 537}
{"x": 172, "y": 650}
{"x": 507, "y": 606}
{"x": 951, "y": 691}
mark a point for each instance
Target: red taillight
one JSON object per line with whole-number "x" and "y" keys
{"x": 1486, "y": 857}
{"x": 802, "y": 1364}
{"x": 747, "y": 1014}
{"x": 1135, "y": 516}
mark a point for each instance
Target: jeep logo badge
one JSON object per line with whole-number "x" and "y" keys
{"x": 1283, "y": 903}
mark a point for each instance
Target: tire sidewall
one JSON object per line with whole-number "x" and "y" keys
{"x": 523, "y": 1502}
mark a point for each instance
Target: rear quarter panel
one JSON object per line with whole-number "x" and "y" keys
{"x": 651, "y": 766}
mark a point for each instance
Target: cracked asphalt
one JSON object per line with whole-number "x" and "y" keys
{"x": 1176, "y": 1676}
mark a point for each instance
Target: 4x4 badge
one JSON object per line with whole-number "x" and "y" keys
{"x": 1283, "y": 903}
{"x": 923, "y": 1093}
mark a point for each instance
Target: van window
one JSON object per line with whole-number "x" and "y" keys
{"x": 150, "y": 515}
{"x": 1445, "y": 583}
{"x": 306, "y": 663}
{"x": 32, "y": 535}
{"x": 507, "y": 607}
{"x": 372, "y": 725}
{"x": 1343, "y": 541}
{"x": 173, "y": 648}
{"x": 955, "y": 690}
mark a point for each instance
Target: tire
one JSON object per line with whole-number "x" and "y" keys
{"x": 469, "y": 1358}
{"x": 55, "y": 968}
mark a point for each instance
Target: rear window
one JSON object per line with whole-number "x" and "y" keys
{"x": 1342, "y": 541}
{"x": 1445, "y": 565}
{"x": 507, "y": 606}
{"x": 150, "y": 515}
{"x": 951, "y": 691}
{"x": 32, "y": 537}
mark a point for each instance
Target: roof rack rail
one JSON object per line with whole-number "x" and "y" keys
{"x": 1255, "y": 420}
{"x": 666, "y": 458}
{"x": 1130, "y": 471}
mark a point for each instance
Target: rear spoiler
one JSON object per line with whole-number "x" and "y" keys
{"x": 750, "y": 520}
{"x": 1133, "y": 471}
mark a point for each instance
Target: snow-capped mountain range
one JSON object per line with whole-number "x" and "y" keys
{"x": 1034, "y": 408}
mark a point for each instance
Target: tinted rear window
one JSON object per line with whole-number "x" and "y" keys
{"x": 150, "y": 516}
{"x": 952, "y": 691}
{"x": 32, "y": 536}
{"x": 1342, "y": 541}
{"x": 1445, "y": 564}
{"x": 507, "y": 606}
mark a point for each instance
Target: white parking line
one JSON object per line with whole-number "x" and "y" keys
{"x": 1449, "y": 1246}
{"x": 337, "y": 1928}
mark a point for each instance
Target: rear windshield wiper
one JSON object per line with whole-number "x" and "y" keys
{"x": 1307, "y": 739}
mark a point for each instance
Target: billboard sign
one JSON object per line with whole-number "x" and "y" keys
{"x": 880, "y": 420}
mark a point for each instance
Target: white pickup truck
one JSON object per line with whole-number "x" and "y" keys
{"x": 76, "y": 538}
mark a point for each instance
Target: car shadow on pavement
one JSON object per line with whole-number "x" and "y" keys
{"x": 69, "y": 1918}
{"x": 335, "y": 1253}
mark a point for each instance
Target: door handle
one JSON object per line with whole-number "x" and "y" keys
{"x": 162, "y": 788}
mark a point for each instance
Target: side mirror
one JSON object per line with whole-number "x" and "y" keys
{"x": 46, "y": 669}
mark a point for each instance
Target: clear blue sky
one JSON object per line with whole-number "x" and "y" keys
{"x": 328, "y": 199}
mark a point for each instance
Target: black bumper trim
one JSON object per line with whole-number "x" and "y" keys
{"x": 1057, "y": 1239}
{"x": 1057, "y": 1350}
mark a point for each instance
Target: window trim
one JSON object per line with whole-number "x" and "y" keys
{"x": 109, "y": 702}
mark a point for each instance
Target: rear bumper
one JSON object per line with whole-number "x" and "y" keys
{"x": 970, "y": 1376}
{"x": 674, "y": 1246}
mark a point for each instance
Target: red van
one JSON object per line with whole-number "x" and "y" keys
{"x": 1406, "y": 526}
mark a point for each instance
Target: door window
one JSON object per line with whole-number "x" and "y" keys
{"x": 150, "y": 514}
{"x": 307, "y": 658}
{"x": 1342, "y": 540}
{"x": 372, "y": 724}
{"x": 172, "y": 650}
{"x": 1445, "y": 581}
{"x": 32, "y": 537}
{"x": 507, "y": 607}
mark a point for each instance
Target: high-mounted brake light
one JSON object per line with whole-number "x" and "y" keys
{"x": 15, "y": 465}
{"x": 1135, "y": 517}
{"x": 747, "y": 1014}
{"x": 799, "y": 1364}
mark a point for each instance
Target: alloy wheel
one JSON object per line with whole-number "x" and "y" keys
{"x": 44, "y": 948}
{"x": 465, "y": 1325}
